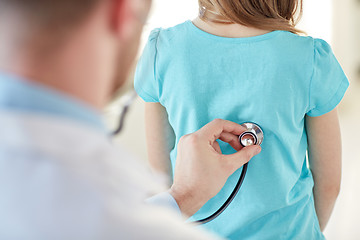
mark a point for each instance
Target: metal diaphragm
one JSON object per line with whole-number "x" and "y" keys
{"x": 253, "y": 135}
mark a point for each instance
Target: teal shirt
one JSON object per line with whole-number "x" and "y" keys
{"x": 274, "y": 80}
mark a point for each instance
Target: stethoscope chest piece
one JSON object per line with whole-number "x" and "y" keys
{"x": 253, "y": 135}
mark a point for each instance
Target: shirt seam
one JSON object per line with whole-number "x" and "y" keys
{"x": 147, "y": 95}
{"x": 312, "y": 76}
{"x": 318, "y": 108}
{"x": 244, "y": 40}
{"x": 155, "y": 65}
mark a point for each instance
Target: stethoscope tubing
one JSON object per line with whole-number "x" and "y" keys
{"x": 125, "y": 109}
{"x": 229, "y": 200}
{"x": 256, "y": 132}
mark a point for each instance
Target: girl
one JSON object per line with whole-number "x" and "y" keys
{"x": 244, "y": 61}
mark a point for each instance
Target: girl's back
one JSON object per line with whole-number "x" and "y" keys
{"x": 274, "y": 80}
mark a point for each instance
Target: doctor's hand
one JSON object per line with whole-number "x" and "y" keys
{"x": 201, "y": 169}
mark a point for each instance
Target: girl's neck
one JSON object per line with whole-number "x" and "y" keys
{"x": 227, "y": 30}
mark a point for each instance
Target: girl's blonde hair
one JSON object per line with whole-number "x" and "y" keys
{"x": 262, "y": 14}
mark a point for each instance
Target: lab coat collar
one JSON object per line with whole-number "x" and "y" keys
{"x": 19, "y": 94}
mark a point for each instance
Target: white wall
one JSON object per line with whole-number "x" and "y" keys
{"x": 344, "y": 223}
{"x": 346, "y": 44}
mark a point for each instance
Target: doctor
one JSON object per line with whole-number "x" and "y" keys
{"x": 60, "y": 176}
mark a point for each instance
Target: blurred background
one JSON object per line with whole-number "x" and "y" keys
{"x": 337, "y": 22}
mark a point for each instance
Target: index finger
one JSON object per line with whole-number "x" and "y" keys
{"x": 213, "y": 130}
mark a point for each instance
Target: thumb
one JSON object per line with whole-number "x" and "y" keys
{"x": 237, "y": 160}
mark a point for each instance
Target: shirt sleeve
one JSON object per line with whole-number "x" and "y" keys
{"x": 146, "y": 83}
{"x": 164, "y": 200}
{"x": 329, "y": 82}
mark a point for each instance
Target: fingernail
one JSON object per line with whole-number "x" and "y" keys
{"x": 258, "y": 150}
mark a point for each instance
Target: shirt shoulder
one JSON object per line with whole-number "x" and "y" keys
{"x": 171, "y": 36}
{"x": 292, "y": 44}
{"x": 304, "y": 44}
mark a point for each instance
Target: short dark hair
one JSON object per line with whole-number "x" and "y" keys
{"x": 50, "y": 13}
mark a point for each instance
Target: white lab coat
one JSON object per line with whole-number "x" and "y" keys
{"x": 62, "y": 180}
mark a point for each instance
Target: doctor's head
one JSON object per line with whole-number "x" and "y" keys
{"x": 75, "y": 46}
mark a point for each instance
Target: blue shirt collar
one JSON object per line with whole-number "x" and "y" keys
{"x": 18, "y": 94}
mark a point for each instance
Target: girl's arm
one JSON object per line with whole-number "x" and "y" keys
{"x": 324, "y": 153}
{"x": 160, "y": 137}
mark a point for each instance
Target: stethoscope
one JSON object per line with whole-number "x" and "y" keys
{"x": 128, "y": 100}
{"x": 253, "y": 135}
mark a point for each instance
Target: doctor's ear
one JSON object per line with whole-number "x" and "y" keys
{"x": 128, "y": 17}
